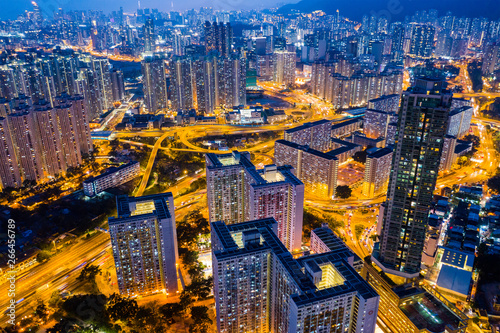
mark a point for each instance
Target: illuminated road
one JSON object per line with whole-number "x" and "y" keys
{"x": 59, "y": 273}
{"x": 149, "y": 167}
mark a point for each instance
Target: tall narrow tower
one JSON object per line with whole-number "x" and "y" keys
{"x": 422, "y": 127}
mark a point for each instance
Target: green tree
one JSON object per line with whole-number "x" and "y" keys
{"x": 89, "y": 273}
{"x": 476, "y": 141}
{"x": 343, "y": 191}
{"x": 185, "y": 300}
{"x": 196, "y": 271}
{"x": 55, "y": 299}
{"x": 120, "y": 308}
{"x": 360, "y": 156}
{"x": 189, "y": 258}
{"x": 494, "y": 183}
{"x": 41, "y": 311}
{"x": 171, "y": 310}
{"x": 200, "y": 288}
{"x": 149, "y": 319}
{"x": 201, "y": 320}
{"x": 358, "y": 230}
{"x": 42, "y": 256}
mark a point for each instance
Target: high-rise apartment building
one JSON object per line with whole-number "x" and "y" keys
{"x": 316, "y": 135}
{"x": 70, "y": 133}
{"x": 260, "y": 287}
{"x": 206, "y": 89}
{"x": 238, "y": 192}
{"x": 376, "y": 123}
{"x": 459, "y": 121}
{"x": 422, "y": 127}
{"x": 182, "y": 84}
{"x": 225, "y": 186}
{"x": 284, "y": 67}
{"x": 80, "y": 117}
{"x": 276, "y": 192}
{"x": 149, "y": 35}
{"x": 231, "y": 81}
{"x": 318, "y": 170}
{"x": 154, "y": 82}
{"x": 117, "y": 85}
{"x": 102, "y": 82}
{"x": 448, "y": 154}
{"x": 9, "y": 168}
{"x": 26, "y": 143}
{"x": 422, "y": 41}
{"x": 50, "y": 136}
{"x": 491, "y": 58}
{"x": 377, "y": 171}
{"x": 144, "y": 241}
{"x": 218, "y": 37}
{"x": 386, "y": 103}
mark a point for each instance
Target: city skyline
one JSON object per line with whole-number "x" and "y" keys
{"x": 394, "y": 11}
{"x": 323, "y": 166}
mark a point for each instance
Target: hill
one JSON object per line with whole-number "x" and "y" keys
{"x": 396, "y": 10}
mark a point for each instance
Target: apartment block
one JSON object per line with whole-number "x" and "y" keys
{"x": 238, "y": 192}
{"x": 144, "y": 241}
{"x": 260, "y": 287}
{"x": 316, "y": 135}
{"x": 112, "y": 177}
{"x": 377, "y": 172}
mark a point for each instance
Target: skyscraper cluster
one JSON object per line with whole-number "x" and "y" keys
{"x": 338, "y": 83}
{"x": 238, "y": 192}
{"x": 40, "y": 75}
{"x": 41, "y": 140}
{"x": 218, "y": 37}
{"x": 207, "y": 82}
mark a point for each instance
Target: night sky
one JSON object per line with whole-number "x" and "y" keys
{"x": 488, "y": 8}
{"x": 10, "y": 9}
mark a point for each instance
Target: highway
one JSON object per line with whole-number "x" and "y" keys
{"x": 149, "y": 167}
{"x": 58, "y": 274}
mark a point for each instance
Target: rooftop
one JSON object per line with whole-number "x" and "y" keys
{"x": 346, "y": 123}
{"x": 336, "y": 275}
{"x": 307, "y": 125}
{"x": 427, "y": 312}
{"x": 110, "y": 171}
{"x": 146, "y": 206}
{"x": 454, "y": 279}
{"x": 381, "y": 152}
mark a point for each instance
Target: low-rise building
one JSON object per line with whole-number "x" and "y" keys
{"x": 112, "y": 177}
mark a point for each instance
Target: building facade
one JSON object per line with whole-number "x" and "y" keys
{"x": 420, "y": 137}
{"x": 112, "y": 177}
{"x": 316, "y": 135}
{"x": 238, "y": 192}
{"x": 377, "y": 171}
{"x": 260, "y": 287}
{"x": 144, "y": 242}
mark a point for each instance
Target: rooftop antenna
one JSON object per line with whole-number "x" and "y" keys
{"x": 139, "y": 4}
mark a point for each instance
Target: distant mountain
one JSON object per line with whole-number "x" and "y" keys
{"x": 396, "y": 10}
